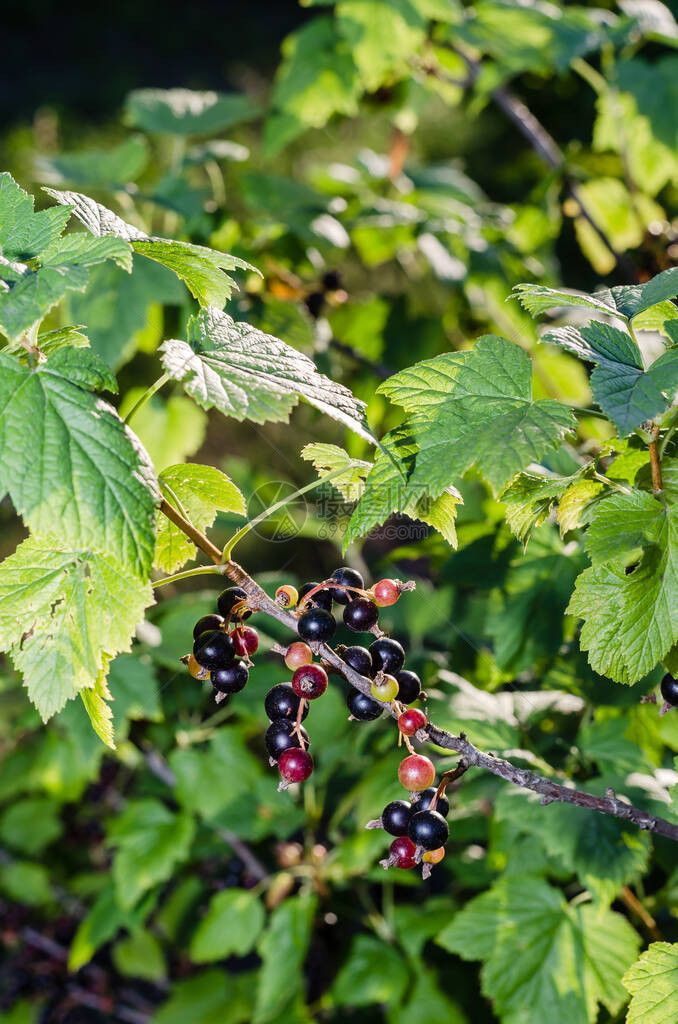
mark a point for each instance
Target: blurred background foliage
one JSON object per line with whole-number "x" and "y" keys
{"x": 392, "y": 189}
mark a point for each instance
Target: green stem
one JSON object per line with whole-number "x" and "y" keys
{"x": 579, "y": 410}
{"x": 200, "y": 570}
{"x": 667, "y": 437}
{"x": 175, "y": 498}
{"x": 244, "y": 530}
{"x": 148, "y": 393}
{"x": 590, "y": 75}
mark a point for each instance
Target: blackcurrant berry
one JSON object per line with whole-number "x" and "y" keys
{"x": 286, "y": 596}
{"x": 409, "y": 686}
{"x": 387, "y": 655}
{"x": 395, "y": 817}
{"x": 348, "y": 578}
{"x": 295, "y": 765}
{"x": 230, "y": 680}
{"x": 207, "y": 622}
{"x": 403, "y": 851}
{"x": 321, "y": 598}
{"x": 245, "y": 640}
{"x": 360, "y": 615}
{"x": 386, "y": 592}
{"x": 384, "y": 688}
{"x": 411, "y": 721}
{"x": 314, "y": 304}
{"x": 331, "y": 280}
{"x": 309, "y": 681}
{"x": 416, "y": 773}
{"x": 298, "y": 654}
{"x": 423, "y": 802}
{"x": 359, "y": 658}
{"x": 362, "y": 707}
{"x": 316, "y": 625}
{"x": 669, "y": 688}
{"x": 214, "y": 649}
{"x": 228, "y": 599}
{"x": 428, "y": 829}
{"x": 281, "y": 735}
{"x": 282, "y": 702}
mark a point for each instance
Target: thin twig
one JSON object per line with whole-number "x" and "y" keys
{"x": 550, "y": 791}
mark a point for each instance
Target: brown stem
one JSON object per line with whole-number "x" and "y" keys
{"x": 636, "y": 907}
{"x": 198, "y": 538}
{"x": 655, "y": 462}
{"x": 549, "y": 790}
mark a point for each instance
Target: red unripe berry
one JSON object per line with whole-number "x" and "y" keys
{"x": 403, "y": 850}
{"x": 411, "y": 720}
{"x": 295, "y": 764}
{"x": 385, "y": 592}
{"x": 298, "y": 654}
{"x": 246, "y": 641}
{"x": 416, "y": 772}
{"x": 309, "y": 681}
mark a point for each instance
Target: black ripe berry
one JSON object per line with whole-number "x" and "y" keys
{"x": 423, "y": 802}
{"x": 316, "y": 624}
{"x": 230, "y": 680}
{"x": 409, "y": 686}
{"x": 207, "y": 622}
{"x": 359, "y": 658}
{"x": 669, "y": 688}
{"x": 360, "y": 615}
{"x": 280, "y": 736}
{"x": 321, "y": 598}
{"x": 428, "y": 829}
{"x": 282, "y": 702}
{"x": 395, "y": 817}
{"x": 362, "y": 707}
{"x": 228, "y": 599}
{"x": 314, "y": 304}
{"x": 387, "y": 656}
{"x": 331, "y": 280}
{"x": 214, "y": 649}
{"x": 349, "y": 578}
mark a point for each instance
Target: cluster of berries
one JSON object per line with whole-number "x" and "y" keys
{"x": 418, "y": 824}
{"x": 222, "y": 650}
{"x": 222, "y": 645}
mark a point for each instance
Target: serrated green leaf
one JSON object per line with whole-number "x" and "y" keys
{"x": 24, "y": 882}
{"x": 231, "y": 926}
{"x": 150, "y": 842}
{"x": 625, "y": 301}
{"x": 317, "y": 78}
{"x": 372, "y": 973}
{"x": 201, "y": 269}
{"x": 382, "y": 35}
{"x": 624, "y": 390}
{"x": 95, "y": 700}
{"x": 573, "y": 504}
{"x": 595, "y": 847}
{"x": 51, "y": 621}
{"x": 427, "y": 1004}
{"x": 653, "y": 984}
{"x": 531, "y": 496}
{"x": 388, "y": 490}
{"x": 102, "y": 921}
{"x": 28, "y": 293}
{"x": 67, "y": 458}
{"x": 30, "y": 825}
{"x": 283, "y": 949}
{"x": 50, "y": 342}
{"x": 545, "y": 960}
{"x": 479, "y": 412}
{"x": 212, "y": 997}
{"x": 23, "y": 233}
{"x": 140, "y": 956}
{"x": 330, "y": 459}
{"x": 203, "y": 491}
{"x": 97, "y": 168}
{"x": 630, "y": 621}
{"x": 187, "y": 112}
{"x": 247, "y": 374}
